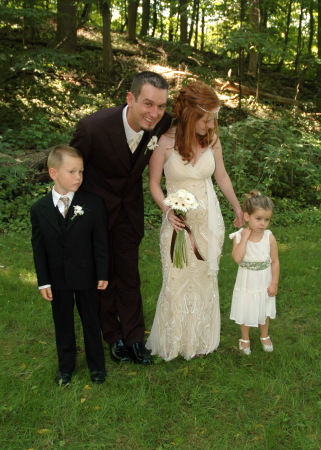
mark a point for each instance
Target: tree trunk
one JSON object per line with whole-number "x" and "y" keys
{"x": 311, "y": 27}
{"x": 154, "y": 18}
{"x": 30, "y": 29}
{"x": 84, "y": 15}
{"x": 203, "y": 29}
{"x": 183, "y": 21}
{"x": 197, "y": 3}
{"x": 66, "y": 35}
{"x": 160, "y": 22}
{"x": 193, "y": 29}
{"x": 107, "y": 48}
{"x": 145, "y": 18}
{"x": 241, "y": 53}
{"x": 172, "y": 13}
{"x": 299, "y": 46}
{"x": 286, "y": 36}
{"x": 319, "y": 40}
{"x": 254, "y": 23}
{"x": 132, "y": 19}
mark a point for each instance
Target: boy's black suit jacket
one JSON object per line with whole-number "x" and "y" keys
{"x": 70, "y": 253}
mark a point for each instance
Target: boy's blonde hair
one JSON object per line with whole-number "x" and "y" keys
{"x": 255, "y": 200}
{"x": 55, "y": 157}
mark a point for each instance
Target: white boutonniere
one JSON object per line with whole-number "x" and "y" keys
{"x": 78, "y": 211}
{"x": 152, "y": 144}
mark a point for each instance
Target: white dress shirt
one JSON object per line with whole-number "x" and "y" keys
{"x": 130, "y": 133}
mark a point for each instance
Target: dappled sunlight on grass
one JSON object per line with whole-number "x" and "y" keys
{"x": 28, "y": 277}
{"x": 283, "y": 247}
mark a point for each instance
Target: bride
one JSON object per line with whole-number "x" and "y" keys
{"x": 187, "y": 319}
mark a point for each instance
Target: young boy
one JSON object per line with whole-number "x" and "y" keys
{"x": 70, "y": 254}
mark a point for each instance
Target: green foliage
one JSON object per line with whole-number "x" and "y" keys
{"x": 14, "y": 216}
{"x": 17, "y": 194}
{"x": 34, "y": 22}
{"x": 290, "y": 212}
{"x": 274, "y": 156}
{"x": 246, "y": 38}
{"x": 18, "y": 15}
{"x": 42, "y": 97}
{"x": 45, "y": 92}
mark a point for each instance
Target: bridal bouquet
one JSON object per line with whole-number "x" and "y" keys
{"x": 181, "y": 202}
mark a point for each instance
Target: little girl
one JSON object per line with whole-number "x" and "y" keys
{"x": 255, "y": 251}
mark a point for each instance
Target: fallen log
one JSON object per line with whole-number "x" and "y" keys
{"x": 232, "y": 87}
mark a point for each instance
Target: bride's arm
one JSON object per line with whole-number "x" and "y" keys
{"x": 156, "y": 166}
{"x": 224, "y": 183}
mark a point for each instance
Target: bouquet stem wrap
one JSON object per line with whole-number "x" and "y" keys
{"x": 182, "y": 202}
{"x": 178, "y": 246}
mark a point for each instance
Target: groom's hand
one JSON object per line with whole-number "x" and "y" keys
{"x": 102, "y": 284}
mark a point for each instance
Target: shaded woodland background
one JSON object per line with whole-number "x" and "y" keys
{"x": 61, "y": 60}
{"x": 282, "y": 35}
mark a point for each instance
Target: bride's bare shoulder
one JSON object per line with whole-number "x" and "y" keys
{"x": 167, "y": 139}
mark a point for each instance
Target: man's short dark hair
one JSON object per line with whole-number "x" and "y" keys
{"x": 147, "y": 77}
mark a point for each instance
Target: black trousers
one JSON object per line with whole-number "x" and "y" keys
{"x": 87, "y": 302}
{"x": 121, "y": 309}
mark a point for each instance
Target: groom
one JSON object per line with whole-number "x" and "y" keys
{"x": 116, "y": 144}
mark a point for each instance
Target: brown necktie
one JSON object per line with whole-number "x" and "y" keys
{"x": 65, "y": 201}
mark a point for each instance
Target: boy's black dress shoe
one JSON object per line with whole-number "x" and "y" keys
{"x": 119, "y": 352}
{"x": 98, "y": 376}
{"x": 63, "y": 378}
{"x": 142, "y": 355}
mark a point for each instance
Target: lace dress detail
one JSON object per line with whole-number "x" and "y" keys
{"x": 187, "y": 319}
{"x": 251, "y": 303}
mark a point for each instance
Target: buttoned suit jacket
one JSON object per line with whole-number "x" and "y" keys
{"x": 73, "y": 256}
{"x": 101, "y": 138}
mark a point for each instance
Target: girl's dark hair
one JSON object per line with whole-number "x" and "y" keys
{"x": 254, "y": 200}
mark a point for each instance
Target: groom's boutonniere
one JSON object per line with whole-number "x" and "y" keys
{"x": 152, "y": 144}
{"x": 78, "y": 211}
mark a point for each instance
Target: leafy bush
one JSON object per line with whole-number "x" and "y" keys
{"x": 275, "y": 157}
{"x": 43, "y": 98}
{"x": 291, "y": 212}
{"x": 12, "y": 180}
{"x": 17, "y": 194}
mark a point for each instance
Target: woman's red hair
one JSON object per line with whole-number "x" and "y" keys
{"x": 190, "y": 105}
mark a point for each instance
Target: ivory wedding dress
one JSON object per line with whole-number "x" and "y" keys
{"x": 187, "y": 319}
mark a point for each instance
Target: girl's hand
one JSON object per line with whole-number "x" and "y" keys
{"x": 272, "y": 290}
{"x": 174, "y": 220}
{"x": 246, "y": 233}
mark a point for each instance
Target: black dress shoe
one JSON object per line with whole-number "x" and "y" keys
{"x": 119, "y": 352}
{"x": 63, "y": 378}
{"x": 142, "y": 355}
{"x": 98, "y": 376}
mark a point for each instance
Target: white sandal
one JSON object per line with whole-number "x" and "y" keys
{"x": 246, "y": 351}
{"x": 269, "y": 347}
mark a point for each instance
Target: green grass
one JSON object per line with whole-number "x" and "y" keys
{"x": 223, "y": 401}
